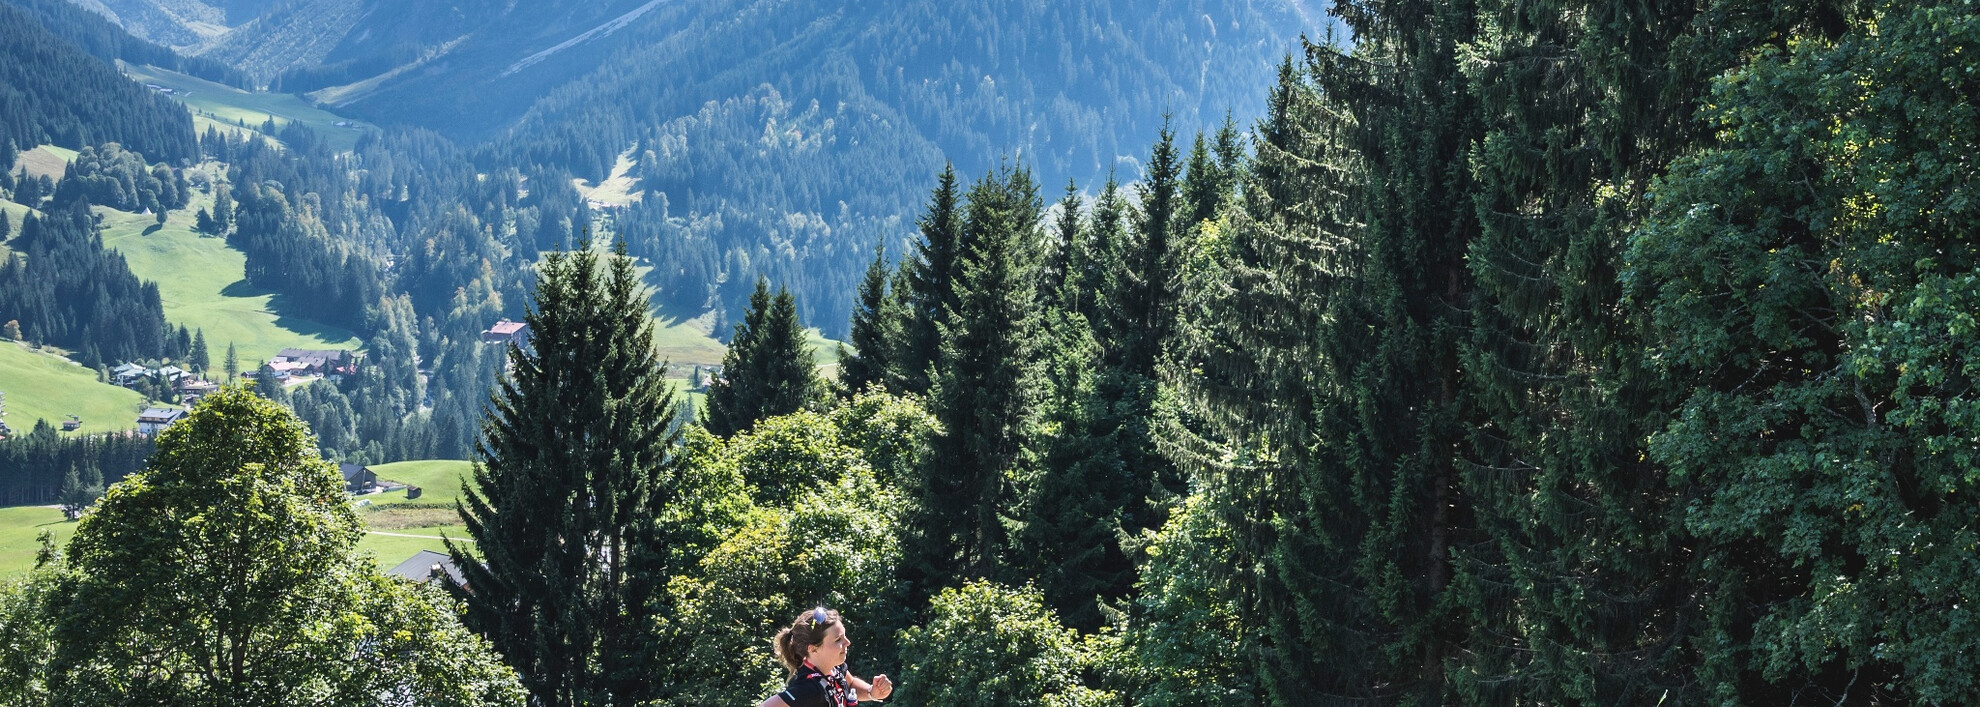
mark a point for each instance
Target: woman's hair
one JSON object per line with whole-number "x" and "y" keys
{"x": 807, "y": 630}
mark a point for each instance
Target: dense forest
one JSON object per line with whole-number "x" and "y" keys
{"x": 71, "y": 292}
{"x": 55, "y": 93}
{"x": 108, "y": 41}
{"x": 1520, "y": 353}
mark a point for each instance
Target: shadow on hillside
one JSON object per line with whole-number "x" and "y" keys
{"x": 241, "y": 288}
{"x": 279, "y": 304}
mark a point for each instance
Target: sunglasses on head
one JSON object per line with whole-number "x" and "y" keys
{"x": 818, "y": 617}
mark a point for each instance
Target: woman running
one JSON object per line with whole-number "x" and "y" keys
{"x": 814, "y": 649}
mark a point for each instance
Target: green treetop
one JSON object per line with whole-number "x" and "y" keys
{"x": 226, "y": 573}
{"x": 768, "y": 369}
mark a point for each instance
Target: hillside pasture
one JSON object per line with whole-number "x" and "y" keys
{"x": 398, "y": 528}
{"x": 230, "y": 105}
{"x": 44, "y": 386}
{"x": 619, "y": 188}
{"x": 203, "y": 283}
{"x": 45, "y": 161}
{"x": 20, "y": 527}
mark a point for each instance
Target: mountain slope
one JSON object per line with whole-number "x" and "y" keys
{"x": 173, "y": 23}
{"x": 780, "y": 138}
{"x": 51, "y": 91}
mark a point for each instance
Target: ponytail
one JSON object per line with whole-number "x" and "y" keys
{"x": 804, "y": 632}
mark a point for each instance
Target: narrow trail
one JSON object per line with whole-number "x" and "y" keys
{"x": 422, "y": 537}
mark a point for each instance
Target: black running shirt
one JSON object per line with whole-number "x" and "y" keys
{"x": 810, "y": 688}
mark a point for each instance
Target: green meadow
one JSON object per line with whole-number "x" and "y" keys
{"x": 20, "y": 530}
{"x": 202, "y": 281}
{"x": 44, "y": 386}
{"x": 398, "y": 528}
{"x": 230, "y": 105}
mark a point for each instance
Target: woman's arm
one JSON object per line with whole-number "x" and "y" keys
{"x": 773, "y": 701}
{"x": 879, "y": 689}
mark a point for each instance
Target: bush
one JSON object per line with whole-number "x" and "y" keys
{"x": 987, "y": 644}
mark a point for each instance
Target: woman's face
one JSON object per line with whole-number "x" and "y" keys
{"x": 830, "y": 653}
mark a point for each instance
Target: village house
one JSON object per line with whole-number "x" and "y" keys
{"x": 192, "y": 389}
{"x": 284, "y": 370}
{"x": 155, "y": 420}
{"x": 128, "y": 373}
{"x": 72, "y": 424}
{"x": 506, "y": 332}
{"x": 358, "y": 478}
{"x": 319, "y": 362}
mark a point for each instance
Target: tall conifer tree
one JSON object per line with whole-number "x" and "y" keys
{"x": 1148, "y": 299}
{"x": 866, "y": 364}
{"x": 571, "y": 473}
{"x": 1251, "y": 314}
{"x": 982, "y": 392}
{"x": 199, "y": 358}
{"x": 930, "y": 289}
{"x": 1591, "y": 562}
{"x": 768, "y": 370}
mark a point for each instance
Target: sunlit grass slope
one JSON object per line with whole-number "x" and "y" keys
{"x": 203, "y": 283}
{"x": 45, "y": 386}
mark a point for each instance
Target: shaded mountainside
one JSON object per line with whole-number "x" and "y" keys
{"x": 51, "y": 91}
{"x": 177, "y": 23}
{"x": 101, "y": 36}
{"x": 1070, "y": 86}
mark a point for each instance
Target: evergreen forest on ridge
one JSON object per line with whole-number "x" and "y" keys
{"x": 1077, "y": 354}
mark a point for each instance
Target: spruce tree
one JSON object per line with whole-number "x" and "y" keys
{"x": 1062, "y": 249}
{"x": 1147, "y": 298}
{"x": 1244, "y": 367}
{"x": 1072, "y": 511}
{"x": 584, "y": 426}
{"x": 1097, "y": 274}
{"x": 1592, "y": 561}
{"x": 768, "y": 370}
{"x": 866, "y": 364}
{"x": 232, "y": 365}
{"x": 82, "y": 484}
{"x": 1204, "y": 185}
{"x": 6, "y": 226}
{"x": 199, "y": 359}
{"x": 930, "y": 289}
{"x": 982, "y": 391}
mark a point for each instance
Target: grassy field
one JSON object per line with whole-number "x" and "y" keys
{"x": 46, "y": 160}
{"x": 202, "y": 283}
{"x": 619, "y": 189}
{"x": 43, "y": 386}
{"x": 390, "y": 517}
{"x": 15, "y": 212}
{"x": 20, "y": 527}
{"x": 201, "y": 122}
{"x": 228, "y": 105}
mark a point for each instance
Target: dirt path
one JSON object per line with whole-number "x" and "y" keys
{"x": 422, "y": 537}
